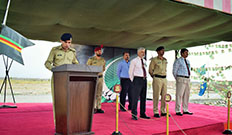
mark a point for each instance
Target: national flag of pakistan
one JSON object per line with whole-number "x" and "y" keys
{"x": 12, "y": 43}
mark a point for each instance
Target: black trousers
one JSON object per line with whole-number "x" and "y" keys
{"x": 139, "y": 91}
{"x": 126, "y": 88}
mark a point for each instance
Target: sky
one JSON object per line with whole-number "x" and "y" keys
{"x": 35, "y": 56}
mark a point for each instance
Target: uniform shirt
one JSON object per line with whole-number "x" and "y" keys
{"x": 123, "y": 69}
{"x": 180, "y": 68}
{"x": 97, "y": 62}
{"x": 136, "y": 68}
{"x": 158, "y": 66}
{"x": 59, "y": 57}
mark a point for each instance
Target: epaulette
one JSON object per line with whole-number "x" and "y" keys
{"x": 72, "y": 49}
{"x": 92, "y": 57}
{"x": 152, "y": 58}
{"x": 56, "y": 47}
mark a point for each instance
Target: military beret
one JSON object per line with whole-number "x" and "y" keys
{"x": 66, "y": 36}
{"x": 98, "y": 48}
{"x": 159, "y": 48}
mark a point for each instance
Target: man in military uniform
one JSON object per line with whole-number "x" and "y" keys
{"x": 97, "y": 60}
{"x": 158, "y": 70}
{"x": 60, "y": 55}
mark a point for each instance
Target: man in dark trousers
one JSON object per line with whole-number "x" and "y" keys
{"x": 138, "y": 76}
{"x": 123, "y": 75}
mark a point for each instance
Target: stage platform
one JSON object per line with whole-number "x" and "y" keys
{"x": 37, "y": 119}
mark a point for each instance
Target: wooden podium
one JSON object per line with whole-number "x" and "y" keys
{"x": 74, "y": 92}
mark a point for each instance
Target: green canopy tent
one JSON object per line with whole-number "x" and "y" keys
{"x": 119, "y": 23}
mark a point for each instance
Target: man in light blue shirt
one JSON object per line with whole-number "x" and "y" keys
{"x": 181, "y": 72}
{"x": 123, "y": 75}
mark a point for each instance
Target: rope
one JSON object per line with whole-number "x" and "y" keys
{"x": 124, "y": 122}
{"x": 134, "y": 114}
{"x": 178, "y": 125}
{"x": 154, "y": 119}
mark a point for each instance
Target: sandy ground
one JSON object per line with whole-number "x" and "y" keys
{"x": 28, "y": 91}
{"x": 39, "y": 91}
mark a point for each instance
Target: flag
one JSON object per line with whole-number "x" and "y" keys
{"x": 12, "y": 43}
{"x": 202, "y": 70}
{"x": 203, "y": 87}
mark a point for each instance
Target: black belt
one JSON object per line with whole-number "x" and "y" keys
{"x": 140, "y": 77}
{"x": 125, "y": 78}
{"x": 160, "y": 76}
{"x": 182, "y": 76}
{"x": 100, "y": 76}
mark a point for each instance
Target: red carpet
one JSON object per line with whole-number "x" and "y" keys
{"x": 37, "y": 119}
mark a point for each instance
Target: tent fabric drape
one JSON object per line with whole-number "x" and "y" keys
{"x": 120, "y": 23}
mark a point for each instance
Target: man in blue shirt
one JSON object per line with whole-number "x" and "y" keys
{"x": 181, "y": 72}
{"x": 123, "y": 75}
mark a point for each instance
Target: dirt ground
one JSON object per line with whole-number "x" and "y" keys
{"x": 29, "y": 86}
{"x": 39, "y": 90}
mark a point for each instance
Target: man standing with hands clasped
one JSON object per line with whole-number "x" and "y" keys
{"x": 158, "y": 70}
{"x": 181, "y": 72}
{"x": 123, "y": 75}
{"x": 138, "y": 76}
{"x": 98, "y": 60}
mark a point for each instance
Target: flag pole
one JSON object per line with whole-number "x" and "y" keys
{"x": 7, "y": 68}
{"x": 6, "y": 13}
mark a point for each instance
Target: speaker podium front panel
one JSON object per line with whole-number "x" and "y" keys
{"x": 74, "y": 92}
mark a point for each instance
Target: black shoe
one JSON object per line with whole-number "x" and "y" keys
{"x": 189, "y": 113}
{"x": 95, "y": 111}
{"x": 157, "y": 115}
{"x": 144, "y": 116}
{"x": 134, "y": 117}
{"x": 165, "y": 114}
{"x": 179, "y": 113}
{"x": 99, "y": 111}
